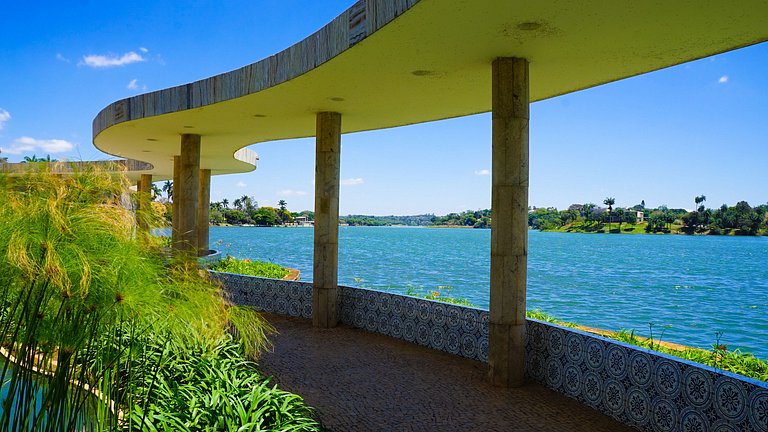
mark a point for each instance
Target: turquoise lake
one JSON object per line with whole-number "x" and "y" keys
{"x": 688, "y": 287}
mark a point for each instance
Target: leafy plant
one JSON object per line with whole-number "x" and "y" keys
{"x": 74, "y": 280}
{"x": 197, "y": 386}
{"x": 250, "y": 268}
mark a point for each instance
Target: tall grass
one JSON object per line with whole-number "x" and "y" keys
{"x": 75, "y": 280}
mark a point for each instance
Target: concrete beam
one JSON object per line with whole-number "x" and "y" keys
{"x": 203, "y": 212}
{"x": 326, "y": 252}
{"x": 186, "y": 193}
{"x": 509, "y": 227}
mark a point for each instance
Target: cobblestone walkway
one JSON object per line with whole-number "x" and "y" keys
{"x": 360, "y": 381}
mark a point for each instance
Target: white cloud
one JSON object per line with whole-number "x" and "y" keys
{"x": 482, "y": 172}
{"x": 352, "y": 181}
{"x": 723, "y": 79}
{"x": 134, "y": 85}
{"x": 30, "y": 145}
{"x": 241, "y": 184}
{"x": 4, "y": 117}
{"x": 290, "y": 192}
{"x": 111, "y": 60}
{"x": 144, "y": 50}
{"x": 62, "y": 58}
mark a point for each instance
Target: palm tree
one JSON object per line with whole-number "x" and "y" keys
{"x": 699, "y": 200}
{"x": 168, "y": 189}
{"x": 156, "y": 192}
{"x": 282, "y": 204}
{"x": 34, "y": 158}
{"x": 587, "y": 209}
{"x": 620, "y": 216}
{"x": 225, "y": 203}
{"x": 609, "y": 202}
{"x": 248, "y": 203}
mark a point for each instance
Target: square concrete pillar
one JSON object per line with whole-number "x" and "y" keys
{"x": 143, "y": 207}
{"x": 175, "y": 202}
{"x": 325, "y": 268}
{"x": 509, "y": 226}
{"x": 203, "y": 212}
{"x": 186, "y": 196}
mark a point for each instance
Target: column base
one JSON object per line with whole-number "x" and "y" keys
{"x": 324, "y": 307}
{"x": 506, "y": 354}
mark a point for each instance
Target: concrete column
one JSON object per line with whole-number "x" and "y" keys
{"x": 509, "y": 227}
{"x": 326, "y": 257}
{"x": 203, "y": 212}
{"x": 143, "y": 208}
{"x": 186, "y": 192}
{"x": 175, "y": 202}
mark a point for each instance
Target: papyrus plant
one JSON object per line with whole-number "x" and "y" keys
{"x": 75, "y": 283}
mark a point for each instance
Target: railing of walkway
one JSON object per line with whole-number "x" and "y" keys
{"x": 639, "y": 387}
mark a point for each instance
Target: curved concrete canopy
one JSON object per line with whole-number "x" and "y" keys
{"x": 385, "y": 63}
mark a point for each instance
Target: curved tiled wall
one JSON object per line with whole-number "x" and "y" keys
{"x": 642, "y": 388}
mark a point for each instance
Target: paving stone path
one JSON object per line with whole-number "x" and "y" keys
{"x": 360, "y": 381}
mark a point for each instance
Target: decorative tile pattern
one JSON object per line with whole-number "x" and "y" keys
{"x": 454, "y": 329}
{"x": 642, "y": 388}
{"x": 291, "y": 298}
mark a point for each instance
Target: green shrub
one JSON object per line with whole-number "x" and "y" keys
{"x": 76, "y": 276}
{"x": 195, "y": 386}
{"x": 250, "y": 268}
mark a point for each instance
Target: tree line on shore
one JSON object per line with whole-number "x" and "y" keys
{"x": 241, "y": 211}
{"x": 741, "y": 219}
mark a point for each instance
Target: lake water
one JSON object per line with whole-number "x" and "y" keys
{"x": 688, "y": 287}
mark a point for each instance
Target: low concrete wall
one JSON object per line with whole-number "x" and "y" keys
{"x": 642, "y": 388}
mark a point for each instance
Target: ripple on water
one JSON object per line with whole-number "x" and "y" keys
{"x": 696, "y": 285}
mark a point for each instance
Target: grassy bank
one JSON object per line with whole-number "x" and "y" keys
{"x": 602, "y": 228}
{"x": 638, "y": 228}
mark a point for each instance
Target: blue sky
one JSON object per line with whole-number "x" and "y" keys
{"x": 664, "y": 137}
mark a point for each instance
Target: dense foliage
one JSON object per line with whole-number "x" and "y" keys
{"x": 250, "y": 268}
{"x": 741, "y": 219}
{"x": 363, "y": 220}
{"x": 209, "y": 387}
{"x": 469, "y": 218}
{"x": 76, "y": 287}
{"x": 246, "y": 211}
